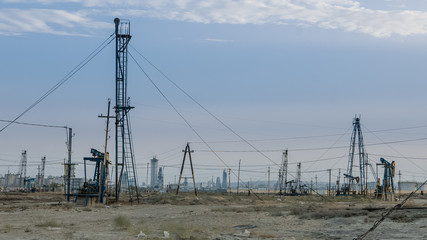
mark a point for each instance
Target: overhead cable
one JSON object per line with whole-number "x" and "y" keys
{"x": 83, "y": 63}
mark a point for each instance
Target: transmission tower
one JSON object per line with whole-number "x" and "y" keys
{"x": 350, "y": 177}
{"x": 23, "y": 169}
{"x": 125, "y": 162}
{"x": 283, "y": 172}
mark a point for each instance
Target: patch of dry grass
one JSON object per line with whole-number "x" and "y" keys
{"x": 326, "y": 212}
{"x": 121, "y": 222}
{"x": 48, "y": 223}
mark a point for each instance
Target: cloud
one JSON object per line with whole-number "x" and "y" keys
{"x": 346, "y": 15}
{"x": 59, "y": 22}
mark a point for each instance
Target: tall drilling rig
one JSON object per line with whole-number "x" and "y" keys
{"x": 283, "y": 173}
{"x": 350, "y": 177}
{"x": 23, "y": 169}
{"x": 125, "y": 162}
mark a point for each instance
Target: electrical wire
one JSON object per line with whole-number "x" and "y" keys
{"x": 83, "y": 63}
{"x": 387, "y": 144}
{"x": 33, "y": 124}
{"x": 316, "y": 149}
{"x": 405, "y": 157}
{"x": 176, "y": 110}
{"x": 206, "y": 110}
{"x": 313, "y": 136}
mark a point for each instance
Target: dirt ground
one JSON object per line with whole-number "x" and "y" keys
{"x": 208, "y": 216}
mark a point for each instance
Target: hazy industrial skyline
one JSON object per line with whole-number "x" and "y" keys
{"x": 269, "y": 69}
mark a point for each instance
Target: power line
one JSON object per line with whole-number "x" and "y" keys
{"x": 387, "y": 143}
{"x": 313, "y": 136}
{"x": 33, "y": 124}
{"x": 405, "y": 157}
{"x": 206, "y": 110}
{"x": 319, "y": 148}
{"x": 83, "y": 63}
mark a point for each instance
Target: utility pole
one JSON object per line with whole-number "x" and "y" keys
{"x": 187, "y": 150}
{"x": 329, "y": 188}
{"x": 338, "y": 181}
{"x": 400, "y": 187}
{"x": 70, "y": 138}
{"x": 106, "y": 162}
{"x": 268, "y": 188}
{"x": 311, "y": 186}
{"x": 238, "y": 178}
{"x": 366, "y": 175}
{"x": 42, "y": 171}
{"x": 38, "y": 176}
{"x": 249, "y": 188}
{"x": 229, "y": 180}
{"x": 317, "y": 190}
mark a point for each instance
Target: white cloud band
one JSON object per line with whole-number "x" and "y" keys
{"x": 347, "y": 15}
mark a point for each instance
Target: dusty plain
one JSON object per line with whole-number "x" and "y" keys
{"x": 208, "y": 216}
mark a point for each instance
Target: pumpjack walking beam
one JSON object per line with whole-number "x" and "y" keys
{"x": 187, "y": 150}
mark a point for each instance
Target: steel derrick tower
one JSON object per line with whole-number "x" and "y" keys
{"x": 126, "y": 176}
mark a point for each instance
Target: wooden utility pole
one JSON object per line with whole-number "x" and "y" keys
{"x": 105, "y": 162}
{"x": 187, "y": 150}
{"x": 329, "y": 189}
{"x": 317, "y": 190}
{"x": 399, "y": 185}
{"x": 70, "y": 138}
{"x": 268, "y": 188}
{"x": 229, "y": 180}
{"x": 238, "y": 178}
{"x": 311, "y": 186}
{"x": 366, "y": 175}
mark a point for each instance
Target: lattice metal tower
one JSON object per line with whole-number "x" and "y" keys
{"x": 23, "y": 169}
{"x": 283, "y": 173}
{"x": 298, "y": 180}
{"x": 350, "y": 176}
{"x": 125, "y": 161}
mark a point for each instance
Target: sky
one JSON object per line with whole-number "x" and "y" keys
{"x": 286, "y": 74}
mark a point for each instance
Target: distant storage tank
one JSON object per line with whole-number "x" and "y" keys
{"x": 154, "y": 170}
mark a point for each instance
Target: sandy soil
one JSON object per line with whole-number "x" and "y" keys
{"x": 209, "y": 216}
